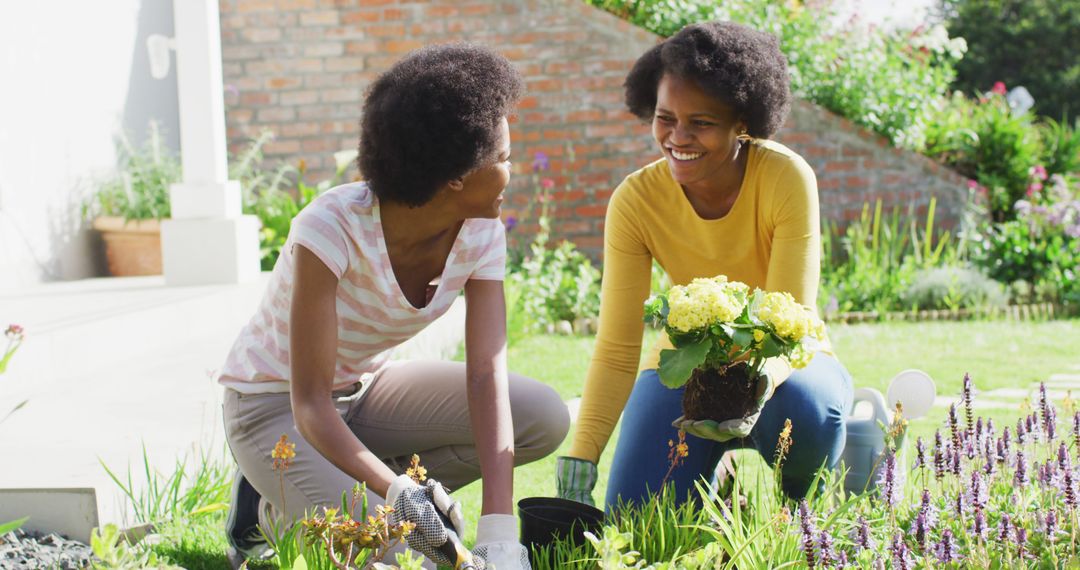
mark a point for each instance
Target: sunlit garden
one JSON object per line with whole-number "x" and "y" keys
{"x": 985, "y": 305}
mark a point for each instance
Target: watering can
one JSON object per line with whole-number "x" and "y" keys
{"x": 915, "y": 390}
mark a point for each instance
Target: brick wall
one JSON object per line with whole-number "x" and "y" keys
{"x": 300, "y": 67}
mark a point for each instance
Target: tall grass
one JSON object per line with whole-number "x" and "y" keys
{"x": 872, "y": 264}
{"x": 181, "y": 493}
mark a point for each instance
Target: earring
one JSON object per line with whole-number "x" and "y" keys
{"x": 743, "y": 134}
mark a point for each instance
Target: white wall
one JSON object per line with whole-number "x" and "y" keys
{"x": 73, "y": 74}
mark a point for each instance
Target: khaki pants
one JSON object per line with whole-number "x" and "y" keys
{"x": 409, "y": 407}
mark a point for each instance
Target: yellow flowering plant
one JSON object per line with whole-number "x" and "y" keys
{"x": 714, "y": 323}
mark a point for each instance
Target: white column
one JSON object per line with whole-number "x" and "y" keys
{"x": 207, "y": 240}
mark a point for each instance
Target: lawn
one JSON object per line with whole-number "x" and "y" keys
{"x": 996, "y": 354}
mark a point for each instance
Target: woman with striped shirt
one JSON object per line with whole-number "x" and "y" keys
{"x": 367, "y": 266}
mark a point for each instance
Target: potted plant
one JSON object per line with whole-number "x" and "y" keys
{"x": 128, "y": 206}
{"x": 723, "y": 333}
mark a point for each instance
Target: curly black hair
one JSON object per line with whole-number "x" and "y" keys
{"x": 736, "y": 64}
{"x": 433, "y": 117}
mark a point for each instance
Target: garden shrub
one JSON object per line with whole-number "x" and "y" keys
{"x": 1021, "y": 42}
{"x": 874, "y": 262}
{"x": 985, "y": 140}
{"x": 953, "y": 287}
{"x": 886, "y": 81}
{"x": 1041, "y": 247}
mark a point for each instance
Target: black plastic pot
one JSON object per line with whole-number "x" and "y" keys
{"x": 546, "y": 519}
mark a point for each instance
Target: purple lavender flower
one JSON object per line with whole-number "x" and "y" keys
{"x": 1021, "y": 543}
{"x": 990, "y": 464}
{"x": 978, "y": 526}
{"x": 806, "y": 524}
{"x": 1021, "y": 478}
{"x": 926, "y": 505}
{"x": 842, "y": 560}
{"x": 1051, "y": 423}
{"x": 901, "y": 554}
{"x": 920, "y": 453}
{"x": 860, "y": 535}
{"x": 1004, "y": 528}
{"x": 955, "y": 462}
{"x": 1021, "y": 432}
{"x": 946, "y": 548}
{"x": 825, "y": 549}
{"x": 1044, "y": 403}
{"x": 1051, "y": 526}
{"x": 1068, "y": 484}
{"x": 969, "y": 389}
{"x": 958, "y": 504}
{"x": 1063, "y": 457}
{"x": 980, "y": 430}
{"x": 939, "y": 457}
{"x": 990, "y": 429}
{"x": 510, "y": 223}
{"x": 954, "y": 426}
{"x": 891, "y": 481}
{"x": 1076, "y": 430}
{"x": 977, "y": 495}
{"x": 922, "y": 530}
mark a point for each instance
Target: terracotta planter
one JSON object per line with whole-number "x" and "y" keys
{"x": 131, "y": 248}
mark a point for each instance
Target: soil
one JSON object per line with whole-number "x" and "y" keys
{"x": 713, "y": 396}
{"x": 20, "y": 550}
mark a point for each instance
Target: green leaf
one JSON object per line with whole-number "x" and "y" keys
{"x": 676, "y": 365}
{"x": 12, "y": 525}
{"x": 742, "y": 337}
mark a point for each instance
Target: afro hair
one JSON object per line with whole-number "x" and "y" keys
{"x": 736, "y": 64}
{"x": 433, "y": 117}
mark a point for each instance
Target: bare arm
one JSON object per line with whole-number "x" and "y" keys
{"x": 488, "y": 392}
{"x": 312, "y": 353}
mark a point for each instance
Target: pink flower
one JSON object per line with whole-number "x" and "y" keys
{"x": 972, "y": 185}
{"x": 1034, "y": 188}
{"x": 547, "y": 183}
{"x": 14, "y": 332}
{"x": 1038, "y": 172}
{"x": 998, "y": 88}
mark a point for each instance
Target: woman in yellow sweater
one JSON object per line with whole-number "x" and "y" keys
{"x": 722, "y": 200}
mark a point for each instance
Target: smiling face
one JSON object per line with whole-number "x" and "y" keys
{"x": 697, "y": 132}
{"x": 482, "y": 188}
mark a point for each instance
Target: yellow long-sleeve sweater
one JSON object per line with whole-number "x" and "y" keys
{"x": 770, "y": 239}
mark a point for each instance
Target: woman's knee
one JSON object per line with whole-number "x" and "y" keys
{"x": 541, "y": 419}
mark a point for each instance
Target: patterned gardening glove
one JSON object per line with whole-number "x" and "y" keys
{"x": 729, "y": 429}
{"x": 497, "y": 544}
{"x": 422, "y": 505}
{"x": 575, "y": 479}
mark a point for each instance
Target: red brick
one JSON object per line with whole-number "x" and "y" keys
{"x": 282, "y": 83}
{"x": 361, "y": 47}
{"x": 840, "y": 166}
{"x": 608, "y": 130}
{"x": 255, "y": 98}
{"x": 320, "y": 18}
{"x": 402, "y": 46}
{"x": 440, "y": 11}
{"x": 353, "y": 17}
{"x": 857, "y": 182}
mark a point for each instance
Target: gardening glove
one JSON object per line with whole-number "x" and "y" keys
{"x": 497, "y": 544}
{"x": 729, "y": 429}
{"x": 575, "y": 479}
{"x": 437, "y": 517}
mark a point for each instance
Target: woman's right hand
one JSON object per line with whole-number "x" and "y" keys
{"x": 435, "y": 515}
{"x": 575, "y": 479}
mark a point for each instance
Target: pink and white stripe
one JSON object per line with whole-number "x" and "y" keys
{"x": 343, "y": 229}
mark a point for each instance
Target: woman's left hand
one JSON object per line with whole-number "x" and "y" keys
{"x": 733, "y": 428}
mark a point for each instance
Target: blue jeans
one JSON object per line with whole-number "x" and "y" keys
{"x": 817, "y": 399}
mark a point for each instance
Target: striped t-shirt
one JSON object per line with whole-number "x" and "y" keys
{"x": 343, "y": 229}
